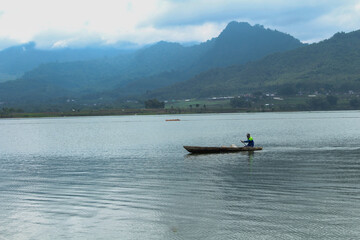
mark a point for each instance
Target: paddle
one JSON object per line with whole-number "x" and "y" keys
{"x": 243, "y": 143}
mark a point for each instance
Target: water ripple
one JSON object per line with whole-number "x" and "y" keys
{"x": 97, "y": 179}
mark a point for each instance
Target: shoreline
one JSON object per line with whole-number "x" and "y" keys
{"x": 196, "y": 106}
{"x": 131, "y": 112}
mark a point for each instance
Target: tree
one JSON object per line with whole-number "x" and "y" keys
{"x": 332, "y": 100}
{"x": 257, "y": 94}
{"x": 355, "y": 103}
{"x": 318, "y": 104}
{"x": 239, "y": 102}
{"x": 7, "y": 111}
{"x": 154, "y": 103}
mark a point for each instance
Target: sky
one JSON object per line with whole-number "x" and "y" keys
{"x": 80, "y": 23}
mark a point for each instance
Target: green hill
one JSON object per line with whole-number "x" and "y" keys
{"x": 330, "y": 65}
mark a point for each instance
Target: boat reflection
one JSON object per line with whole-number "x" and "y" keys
{"x": 250, "y": 156}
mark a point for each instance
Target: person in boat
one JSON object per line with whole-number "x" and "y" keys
{"x": 249, "y": 141}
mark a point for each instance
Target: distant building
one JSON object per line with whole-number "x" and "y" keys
{"x": 278, "y": 98}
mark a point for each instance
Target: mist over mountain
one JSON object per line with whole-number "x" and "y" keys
{"x": 328, "y": 66}
{"x": 152, "y": 67}
{"x": 17, "y": 60}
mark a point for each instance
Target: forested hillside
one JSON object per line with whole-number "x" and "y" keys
{"x": 329, "y": 66}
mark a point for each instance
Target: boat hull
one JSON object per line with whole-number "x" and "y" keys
{"x": 203, "y": 150}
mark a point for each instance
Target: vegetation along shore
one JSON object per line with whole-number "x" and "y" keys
{"x": 255, "y": 102}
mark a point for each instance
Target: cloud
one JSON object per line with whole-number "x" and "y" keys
{"x": 346, "y": 18}
{"x": 112, "y": 19}
{"x": 61, "y": 39}
{"x": 299, "y": 18}
{"x": 280, "y": 11}
{"x": 76, "y": 23}
{"x": 342, "y": 18}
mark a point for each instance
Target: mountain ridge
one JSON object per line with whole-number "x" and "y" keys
{"x": 162, "y": 63}
{"x": 328, "y": 66}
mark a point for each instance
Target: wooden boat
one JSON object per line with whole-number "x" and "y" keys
{"x": 172, "y": 120}
{"x": 199, "y": 150}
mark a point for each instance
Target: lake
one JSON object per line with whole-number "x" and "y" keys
{"x": 128, "y": 177}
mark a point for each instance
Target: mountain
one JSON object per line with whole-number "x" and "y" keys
{"x": 240, "y": 42}
{"x": 17, "y": 60}
{"x": 330, "y": 65}
{"x": 152, "y": 67}
{"x": 105, "y": 73}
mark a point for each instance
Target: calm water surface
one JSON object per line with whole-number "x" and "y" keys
{"x": 128, "y": 177}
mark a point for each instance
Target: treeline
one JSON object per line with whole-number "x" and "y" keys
{"x": 154, "y": 103}
{"x": 8, "y": 112}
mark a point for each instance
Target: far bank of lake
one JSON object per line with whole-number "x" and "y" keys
{"x": 241, "y": 104}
